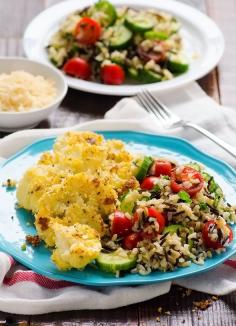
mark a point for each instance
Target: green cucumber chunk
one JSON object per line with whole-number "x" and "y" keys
{"x": 105, "y": 12}
{"x": 177, "y": 64}
{"x": 119, "y": 260}
{"x": 119, "y": 37}
{"x": 144, "y": 167}
{"x": 139, "y": 22}
{"x": 155, "y": 35}
{"x": 133, "y": 73}
{"x": 148, "y": 76}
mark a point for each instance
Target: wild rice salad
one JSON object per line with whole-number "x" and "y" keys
{"x": 107, "y": 44}
{"x": 177, "y": 216}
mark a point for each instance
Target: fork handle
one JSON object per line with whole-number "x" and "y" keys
{"x": 230, "y": 149}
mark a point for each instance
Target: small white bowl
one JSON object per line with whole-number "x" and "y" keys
{"x": 12, "y": 121}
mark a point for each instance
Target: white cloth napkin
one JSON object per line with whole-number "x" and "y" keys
{"x": 25, "y": 292}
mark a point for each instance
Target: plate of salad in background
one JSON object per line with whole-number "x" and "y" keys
{"x": 118, "y": 47}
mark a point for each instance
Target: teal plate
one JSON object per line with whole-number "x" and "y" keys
{"x": 16, "y": 223}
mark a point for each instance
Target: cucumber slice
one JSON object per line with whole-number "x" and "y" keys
{"x": 177, "y": 64}
{"x": 119, "y": 260}
{"x": 139, "y": 22}
{"x": 119, "y": 37}
{"x": 148, "y": 76}
{"x": 144, "y": 167}
{"x": 155, "y": 35}
{"x": 108, "y": 13}
{"x": 133, "y": 73}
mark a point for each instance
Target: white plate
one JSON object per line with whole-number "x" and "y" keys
{"x": 203, "y": 42}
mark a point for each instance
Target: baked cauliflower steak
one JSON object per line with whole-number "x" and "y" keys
{"x": 72, "y": 190}
{"x": 76, "y": 246}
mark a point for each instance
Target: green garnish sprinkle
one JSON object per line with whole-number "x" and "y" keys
{"x": 183, "y": 195}
{"x": 23, "y": 247}
{"x": 203, "y": 206}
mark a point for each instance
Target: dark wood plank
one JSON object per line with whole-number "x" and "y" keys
{"x": 127, "y": 316}
{"x": 181, "y": 310}
{"x": 224, "y": 13}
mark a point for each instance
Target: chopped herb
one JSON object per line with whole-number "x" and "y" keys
{"x": 183, "y": 195}
{"x": 165, "y": 177}
{"x": 203, "y": 206}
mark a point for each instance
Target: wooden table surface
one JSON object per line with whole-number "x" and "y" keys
{"x": 78, "y": 107}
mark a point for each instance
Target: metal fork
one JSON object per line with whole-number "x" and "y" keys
{"x": 170, "y": 120}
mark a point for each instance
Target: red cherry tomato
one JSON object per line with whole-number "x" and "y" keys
{"x": 186, "y": 175}
{"x": 131, "y": 240}
{"x": 77, "y": 67}
{"x": 120, "y": 225}
{"x": 112, "y": 74}
{"x": 148, "y": 183}
{"x": 87, "y": 31}
{"x": 209, "y": 243}
{"x": 150, "y": 235}
{"x": 162, "y": 168}
{"x": 153, "y": 212}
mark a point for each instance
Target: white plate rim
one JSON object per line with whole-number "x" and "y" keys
{"x": 214, "y": 36}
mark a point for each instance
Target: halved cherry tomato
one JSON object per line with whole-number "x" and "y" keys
{"x": 87, "y": 31}
{"x": 209, "y": 243}
{"x": 179, "y": 180}
{"x": 77, "y": 67}
{"x": 161, "y": 167}
{"x": 131, "y": 240}
{"x": 120, "y": 225}
{"x": 148, "y": 183}
{"x": 112, "y": 74}
{"x": 153, "y": 212}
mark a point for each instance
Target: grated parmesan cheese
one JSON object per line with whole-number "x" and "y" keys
{"x": 21, "y": 91}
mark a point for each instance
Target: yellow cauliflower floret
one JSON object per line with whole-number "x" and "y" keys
{"x": 80, "y": 151}
{"x": 78, "y": 199}
{"x": 76, "y": 246}
{"x": 34, "y": 183}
